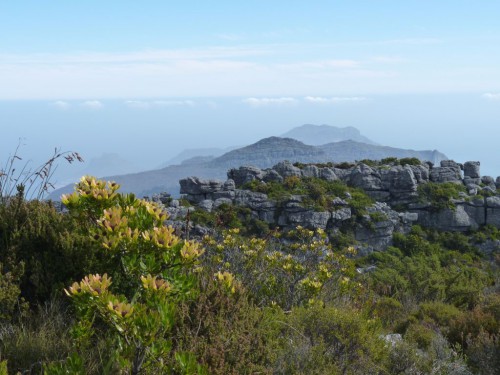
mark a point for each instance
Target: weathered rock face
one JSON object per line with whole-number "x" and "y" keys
{"x": 391, "y": 186}
{"x": 242, "y": 175}
{"x": 472, "y": 169}
{"x": 366, "y": 178}
{"x": 195, "y": 186}
{"x": 448, "y": 172}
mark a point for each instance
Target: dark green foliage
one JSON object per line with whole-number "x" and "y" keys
{"x": 51, "y": 246}
{"x": 424, "y": 270}
{"x": 226, "y": 333}
{"x": 439, "y": 195}
{"x": 331, "y": 340}
{"x": 410, "y": 161}
{"x": 317, "y": 193}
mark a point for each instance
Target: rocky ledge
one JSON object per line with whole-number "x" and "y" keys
{"x": 394, "y": 188}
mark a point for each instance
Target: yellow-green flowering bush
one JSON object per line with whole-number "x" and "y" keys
{"x": 154, "y": 270}
{"x": 288, "y": 269}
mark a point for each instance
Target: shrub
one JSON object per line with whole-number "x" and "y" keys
{"x": 226, "y": 332}
{"x": 153, "y": 271}
{"x": 52, "y": 247}
{"x": 326, "y": 339}
{"x": 439, "y": 195}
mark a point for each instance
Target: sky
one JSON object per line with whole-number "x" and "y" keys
{"x": 147, "y": 79}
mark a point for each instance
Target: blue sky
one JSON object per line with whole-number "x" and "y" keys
{"x": 99, "y": 76}
{"x": 120, "y": 49}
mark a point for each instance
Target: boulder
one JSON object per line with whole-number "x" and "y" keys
{"x": 206, "y": 205}
{"x": 252, "y": 200}
{"x": 451, "y": 220}
{"x": 229, "y": 185}
{"x": 421, "y": 172}
{"x": 365, "y": 177}
{"x": 493, "y": 211}
{"x": 445, "y": 174}
{"x": 341, "y": 214}
{"x": 287, "y": 169}
{"x": 245, "y": 174}
{"x": 271, "y": 175}
{"x": 310, "y": 171}
{"x": 327, "y": 174}
{"x": 195, "y": 185}
{"x": 309, "y": 219}
{"x": 472, "y": 169}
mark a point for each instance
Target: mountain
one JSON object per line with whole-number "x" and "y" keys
{"x": 350, "y": 151}
{"x": 264, "y": 154}
{"x": 269, "y": 151}
{"x": 321, "y": 134}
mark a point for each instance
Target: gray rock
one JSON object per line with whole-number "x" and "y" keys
{"x": 206, "y": 205}
{"x": 402, "y": 180}
{"x": 445, "y": 174}
{"x": 497, "y": 182}
{"x": 488, "y": 180}
{"x": 472, "y": 169}
{"x": 342, "y": 214}
{"x": 490, "y": 189}
{"x": 220, "y": 201}
{"x": 421, "y": 172}
{"x": 287, "y": 169}
{"x": 245, "y": 174}
{"x": 469, "y": 180}
{"x": 493, "y": 202}
{"x": 450, "y": 164}
{"x": 310, "y": 171}
{"x": 196, "y": 198}
{"x": 269, "y": 216}
{"x": 271, "y": 175}
{"x": 195, "y": 185}
{"x": 476, "y": 212}
{"x": 229, "y": 194}
{"x": 309, "y": 219}
{"x": 328, "y": 174}
{"x": 408, "y": 217}
{"x": 342, "y": 174}
{"x": 451, "y": 220}
{"x": 365, "y": 177}
{"x": 339, "y": 202}
{"x": 252, "y": 200}
{"x": 229, "y": 185}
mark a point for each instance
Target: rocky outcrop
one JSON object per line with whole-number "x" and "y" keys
{"x": 392, "y": 186}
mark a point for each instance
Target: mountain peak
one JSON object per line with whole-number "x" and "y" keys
{"x": 322, "y": 134}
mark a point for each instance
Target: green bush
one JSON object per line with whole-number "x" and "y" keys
{"x": 53, "y": 248}
{"x": 330, "y": 340}
{"x": 439, "y": 195}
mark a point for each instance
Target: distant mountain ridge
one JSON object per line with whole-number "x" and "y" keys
{"x": 263, "y": 154}
{"x": 317, "y": 135}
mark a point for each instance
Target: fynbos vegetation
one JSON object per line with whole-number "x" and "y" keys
{"x": 113, "y": 287}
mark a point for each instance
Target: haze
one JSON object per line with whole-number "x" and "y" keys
{"x": 146, "y": 80}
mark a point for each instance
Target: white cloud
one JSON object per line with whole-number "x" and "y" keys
{"x": 173, "y": 103}
{"x": 62, "y": 105}
{"x": 143, "y": 104}
{"x": 334, "y": 99}
{"x": 92, "y": 104}
{"x": 264, "y": 102}
{"x": 491, "y": 96}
